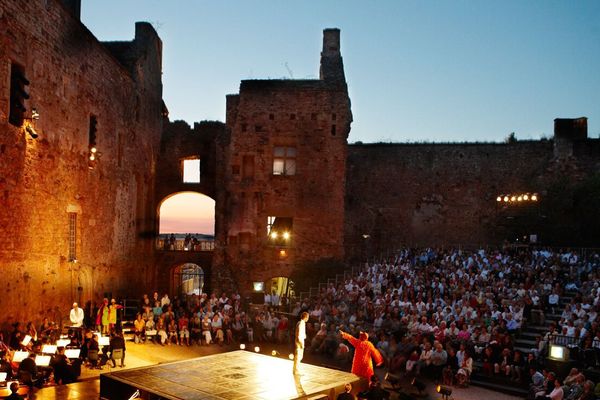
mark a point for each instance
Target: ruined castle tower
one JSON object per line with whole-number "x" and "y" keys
{"x": 282, "y": 204}
{"x": 80, "y": 126}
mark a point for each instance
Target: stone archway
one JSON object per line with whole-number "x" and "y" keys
{"x": 187, "y": 279}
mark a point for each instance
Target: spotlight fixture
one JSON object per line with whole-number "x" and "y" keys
{"x": 275, "y": 353}
{"x": 291, "y": 356}
{"x": 513, "y": 198}
{"x": 499, "y": 198}
{"x": 242, "y": 346}
{"x": 286, "y": 235}
{"x": 93, "y": 150}
{"x": 534, "y": 197}
{"x": 35, "y": 114}
{"x": 445, "y": 391}
{"x": 525, "y": 197}
{"x": 32, "y": 132}
{"x": 257, "y": 349}
{"x": 520, "y": 198}
{"x": 282, "y": 253}
{"x": 506, "y": 199}
{"x": 394, "y": 380}
{"x": 274, "y": 235}
{"x": 419, "y": 385}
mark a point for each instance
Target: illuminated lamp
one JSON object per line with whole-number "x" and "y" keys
{"x": 282, "y": 253}
{"x": 291, "y": 356}
{"x": 534, "y": 197}
{"x": 258, "y": 286}
{"x": 499, "y": 198}
{"x": 558, "y": 353}
{"x": 274, "y": 353}
{"x": 92, "y": 157}
{"x": 274, "y": 235}
{"x": 506, "y": 199}
{"x": 257, "y": 349}
{"x": 520, "y": 198}
{"x": 513, "y": 198}
{"x": 93, "y": 149}
{"x": 242, "y": 346}
{"x": 445, "y": 391}
{"x": 286, "y": 235}
{"x": 35, "y": 114}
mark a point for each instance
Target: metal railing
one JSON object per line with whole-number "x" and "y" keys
{"x": 570, "y": 341}
{"x": 181, "y": 245}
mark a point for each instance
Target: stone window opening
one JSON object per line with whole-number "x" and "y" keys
{"x": 72, "y": 237}
{"x": 18, "y": 95}
{"x": 284, "y": 161}
{"x": 191, "y": 170}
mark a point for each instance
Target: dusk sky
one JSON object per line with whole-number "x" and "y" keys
{"x": 416, "y": 70}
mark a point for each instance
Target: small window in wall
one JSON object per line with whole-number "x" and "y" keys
{"x": 284, "y": 161}
{"x": 18, "y": 94}
{"x": 72, "y": 237}
{"x": 191, "y": 171}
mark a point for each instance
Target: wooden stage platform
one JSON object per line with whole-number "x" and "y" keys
{"x": 237, "y": 375}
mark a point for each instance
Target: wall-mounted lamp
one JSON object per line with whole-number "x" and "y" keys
{"x": 35, "y": 115}
{"x": 31, "y": 131}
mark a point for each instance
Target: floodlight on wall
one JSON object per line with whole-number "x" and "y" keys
{"x": 291, "y": 356}
{"x": 256, "y": 349}
{"x": 242, "y": 346}
{"x": 274, "y": 235}
{"x": 286, "y": 235}
{"x": 32, "y": 132}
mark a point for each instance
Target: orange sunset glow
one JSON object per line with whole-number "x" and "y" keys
{"x": 188, "y": 212}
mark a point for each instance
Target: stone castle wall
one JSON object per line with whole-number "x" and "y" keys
{"x": 72, "y": 77}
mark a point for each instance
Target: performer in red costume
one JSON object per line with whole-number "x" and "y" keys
{"x": 363, "y": 351}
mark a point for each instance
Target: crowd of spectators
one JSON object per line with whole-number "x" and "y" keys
{"x": 440, "y": 312}
{"x": 431, "y": 312}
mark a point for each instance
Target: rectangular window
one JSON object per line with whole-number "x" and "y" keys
{"x": 284, "y": 161}
{"x": 191, "y": 171}
{"x": 72, "y": 236}
{"x": 93, "y": 131}
{"x": 248, "y": 166}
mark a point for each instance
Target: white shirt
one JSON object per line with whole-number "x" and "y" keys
{"x": 76, "y": 317}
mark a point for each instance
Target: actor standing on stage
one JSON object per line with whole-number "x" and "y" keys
{"x": 363, "y": 351}
{"x": 299, "y": 340}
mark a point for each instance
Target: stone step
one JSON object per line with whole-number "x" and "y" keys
{"x": 523, "y": 350}
{"x": 525, "y": 342}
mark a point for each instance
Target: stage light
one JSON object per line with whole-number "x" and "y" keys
{"x": 274, "y": 235}
{"x": 291, "y": 356}
{"x": 419, "y": 385}
{"x": 92, "y": 157}
{"x": 257, "y": 349}
{"x": 505, "y": 199}
{"x": 93, "y": 149}
{"x": 520, "y": 198}
{"x": 32, "y": 132}
{"x": 394, "y": 380}
{"x": 499, "y": 198}
{"x": 445, "y": 391}
{"x": 275, "y": 353}
{"x": 513, "y": 198}
{"x": 525, "y": 197}
{"x": 534, "y": 197}
{"x": 242, "y": 346}
{"x": 35, "y": 114}
{"x": 286, "y": 235}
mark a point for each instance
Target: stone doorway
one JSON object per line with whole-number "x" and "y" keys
{"x": 187, "y": 279}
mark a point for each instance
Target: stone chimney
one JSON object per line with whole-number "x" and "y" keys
{"x": 567, "y": 131}
{"x": 332, "y": 66}
{"x": 74, "y": 7}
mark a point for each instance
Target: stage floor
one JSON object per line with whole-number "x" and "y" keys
{"x": 235, "y": 375}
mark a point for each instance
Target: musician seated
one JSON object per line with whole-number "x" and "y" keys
{"x": 65, "y": 371}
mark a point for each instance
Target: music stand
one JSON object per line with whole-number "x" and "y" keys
{"x": 72, "y": 353}
{"x": 20, "y": 356}
{"x": 63, "y": 342}
{"x": 26, "y": 340}
{"x": 49, "y": 349}
{"x": 42, "y": 361}
{"x": 104, "y": 341}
